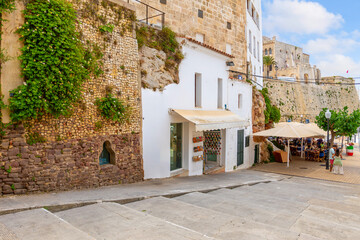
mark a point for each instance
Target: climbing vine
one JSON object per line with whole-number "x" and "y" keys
{"x": 54, "y": 62}
{"x": 113, "y": 109}
{"x": 272, "y": 113}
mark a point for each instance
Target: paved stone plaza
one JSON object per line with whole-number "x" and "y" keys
{"x": 317, "y": 170}
{"x": 240, "y": 205}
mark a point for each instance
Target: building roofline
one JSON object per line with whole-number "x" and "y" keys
{"x": 207, "y": 46}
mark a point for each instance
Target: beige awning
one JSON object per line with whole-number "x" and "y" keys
{"x": 291, "y": 130}
{"x": 212, "y": 120}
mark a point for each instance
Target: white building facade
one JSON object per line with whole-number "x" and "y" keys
{"x": 254, "y": 40}
{"x": 202, "y": 123}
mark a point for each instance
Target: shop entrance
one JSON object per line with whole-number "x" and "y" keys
{"x": 212, "y": 149}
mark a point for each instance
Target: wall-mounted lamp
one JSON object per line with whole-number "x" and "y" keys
{"x": 230, "y": 63}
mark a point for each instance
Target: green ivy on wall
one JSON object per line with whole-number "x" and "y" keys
{"x": 54, "y": 62}
{"x": 113, "y": 109}
{"x": 272, "y": 113}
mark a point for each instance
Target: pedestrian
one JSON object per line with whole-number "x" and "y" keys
{"x": 338, "y": 166}
{"x": 331, "y": 158}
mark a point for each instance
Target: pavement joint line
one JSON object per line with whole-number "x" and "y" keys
{"x": 67, "y": 206}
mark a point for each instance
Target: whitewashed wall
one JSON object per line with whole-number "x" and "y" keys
{"x": 156, "y": 105}
{"x": 256, "y": 31}
{"x": 234, "y": 88}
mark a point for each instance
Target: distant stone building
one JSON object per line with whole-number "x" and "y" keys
{"x": 291, "y": 62}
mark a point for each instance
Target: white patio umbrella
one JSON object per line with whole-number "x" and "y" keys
{"x": 319, "y": 133}
{"x": 289, "y": 130}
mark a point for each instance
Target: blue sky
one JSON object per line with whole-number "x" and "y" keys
{"x": 328, "y": 30}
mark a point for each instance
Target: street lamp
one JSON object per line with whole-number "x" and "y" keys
{"x": 328, "y": 116}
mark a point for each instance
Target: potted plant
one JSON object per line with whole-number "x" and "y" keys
{"x": 350, "y": 149}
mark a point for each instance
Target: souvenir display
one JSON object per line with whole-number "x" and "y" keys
{"x": 198, "y": 139}
{"x": 198, "y": 158}
{"x": 212, "y": 143}
{"x": 198, "y": 149}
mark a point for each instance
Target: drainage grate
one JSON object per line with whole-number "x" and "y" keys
{"x": 303, "y": 168}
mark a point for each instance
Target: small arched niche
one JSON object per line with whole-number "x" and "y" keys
{"x": 107, "y": 155}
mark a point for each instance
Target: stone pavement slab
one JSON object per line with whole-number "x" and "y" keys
{"x": 40, "y": 224}
{"x": 6, "y": 234}
{"x": 228, "y": 206}
{"x": 209, "y": 222}
{"x": 116, "y": 222}
{"x": 146, "y": 189}
{"x": 335, "y": 216}
{"x": 325, "y": 229}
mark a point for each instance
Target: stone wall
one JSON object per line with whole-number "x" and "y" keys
{"x": 182, "y": 17}
{"x": 258, "y": 121}
{"x": 296, "y": 99}
{"x": 70, "y": 156}
{"x": 65, "y": 165}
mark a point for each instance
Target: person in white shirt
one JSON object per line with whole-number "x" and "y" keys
{"x": 331, "y": 157}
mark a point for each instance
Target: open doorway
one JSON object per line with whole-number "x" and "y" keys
{"x": 212, "y": 150}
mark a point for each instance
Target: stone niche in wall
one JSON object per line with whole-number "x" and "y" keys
{"x": 68, "y": 155}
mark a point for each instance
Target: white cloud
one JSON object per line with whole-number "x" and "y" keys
{"x": 337, "y": 65}
{"x": 300, "y": 17}
{"x": 331, "y": 44}
{"x": 334, "y": 54}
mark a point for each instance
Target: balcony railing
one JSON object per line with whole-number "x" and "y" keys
{"x": 149, "y": 15}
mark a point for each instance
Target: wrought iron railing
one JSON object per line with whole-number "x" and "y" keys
{"x": 149, "y": 14}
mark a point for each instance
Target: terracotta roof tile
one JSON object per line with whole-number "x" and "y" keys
{"x": 208, "y": 46}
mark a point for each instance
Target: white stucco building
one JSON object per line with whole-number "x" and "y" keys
{"x": 201, "y": 123}
{"x": 254, "y": 40}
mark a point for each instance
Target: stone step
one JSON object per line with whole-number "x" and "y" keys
{"x": 291, "y": 192}
{"x": 114, "y": 221}
{"x": 240, "y": 209}
{"x": 270, "y": 203}
{"x": 40, "y": 224}
{"x": 323, "y": 185}
{"x": 327, "y": 187}
{"x": 325, "y": 229}
{"x": 344, "y": 207}
{"x": 336, "y": 216}
{"x": 209, "y": 222}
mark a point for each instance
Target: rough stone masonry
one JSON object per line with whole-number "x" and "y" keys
{"x": 69, "y": 159}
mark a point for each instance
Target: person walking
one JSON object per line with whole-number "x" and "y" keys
{"x": 331, "y": 157}
{"x": 338, "y": 166}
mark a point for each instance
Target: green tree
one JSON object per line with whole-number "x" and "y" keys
{"x": 341, "y": 123}
{"x": 268, "y": 61}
